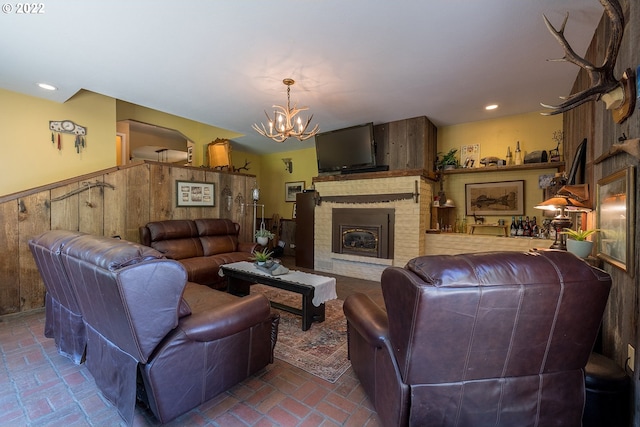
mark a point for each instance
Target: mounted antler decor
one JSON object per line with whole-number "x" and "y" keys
{"x": 618, "y": 96}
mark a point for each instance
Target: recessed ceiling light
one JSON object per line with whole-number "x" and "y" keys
{"x": 47, "y": 86}
{"x": 491, "y": 107}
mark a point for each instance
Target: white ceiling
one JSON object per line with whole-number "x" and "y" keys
{"x": 222, "y": 62}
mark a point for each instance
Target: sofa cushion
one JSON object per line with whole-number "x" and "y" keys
{"x": 174, "y": 229}
{"x": 179, "y": 249}
{"x": 204, "y": 270}
{"x": 175, "y": 239}
{"x": 213, "y": 245}
{"x": 217, "y": 235}
{"x": 216, "y": 227}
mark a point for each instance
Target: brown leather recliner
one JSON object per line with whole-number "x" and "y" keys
{"x": 487, "y": 339}
{"x": 150, "y": 333}
{"x": 63, "y": 319}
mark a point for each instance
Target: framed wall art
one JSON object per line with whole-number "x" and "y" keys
{"x": 495, "y": 198}
{"x": 190, "y": 193}
{"x": 615, "y": 218}
{"x": 291, "y": 189}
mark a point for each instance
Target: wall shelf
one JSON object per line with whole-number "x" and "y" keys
{"x": 529, "y": 166}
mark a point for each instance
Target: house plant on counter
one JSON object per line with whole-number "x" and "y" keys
{"x": 577, "y": 242}
{"x": 263, "y": 236}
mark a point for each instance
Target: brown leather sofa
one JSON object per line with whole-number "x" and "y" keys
{"x": 200, "y": 245}
{"x": 149, "y": 332}
{"x": 489, "y": 339}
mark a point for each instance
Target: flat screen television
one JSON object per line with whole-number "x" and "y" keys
{"x": 346, "y": 149}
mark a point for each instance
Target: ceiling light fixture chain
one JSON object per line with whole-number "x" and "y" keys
{"x": 285, "y": 124}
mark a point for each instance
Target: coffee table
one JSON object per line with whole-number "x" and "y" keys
{"x": 315, "y": 289}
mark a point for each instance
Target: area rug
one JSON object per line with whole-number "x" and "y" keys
{"x": 322, "y": 349}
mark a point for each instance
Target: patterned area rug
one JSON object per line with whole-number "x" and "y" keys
{"x": 321, "y": 350}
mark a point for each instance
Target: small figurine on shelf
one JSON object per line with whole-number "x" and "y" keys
{"x": 554, "y": 154}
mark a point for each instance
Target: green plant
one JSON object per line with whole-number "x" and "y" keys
{"x": 261, "y": 256}
{"x": 263, "y": 232}
{"x": 448, "y": 159}
{"x": 579, "y": 235}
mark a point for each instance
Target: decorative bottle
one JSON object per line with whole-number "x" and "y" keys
{"x": 520, "y": 231}
{"x": 509, "y": 157}
{"x": 514, "y": 228}
{"x": 518, "y": 154}
{"x": 527, "y": 227}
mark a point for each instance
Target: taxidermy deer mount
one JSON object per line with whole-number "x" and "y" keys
{"x": 618, "y": 96}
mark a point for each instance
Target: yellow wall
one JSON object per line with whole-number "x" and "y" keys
{"x": 533, "y": 130}
{"x": 26, "y": 140}
{"x": 273, "y": 177}
{"x": 200, "y": 133}
{"x": 31, "y": 160}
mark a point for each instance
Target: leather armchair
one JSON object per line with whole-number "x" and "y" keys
{"x": 488, "y": 339}
{"x": 153, "y": 335}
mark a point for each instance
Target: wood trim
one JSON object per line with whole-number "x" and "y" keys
{"x": 373, "y": 175}
{"x": 79, "y": 178}
{"x": 528, "y": 166}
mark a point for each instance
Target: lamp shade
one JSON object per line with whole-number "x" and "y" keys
{"x": 569, "y": 197}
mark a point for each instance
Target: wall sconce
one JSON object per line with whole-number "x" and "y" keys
{"x": 228, "y": 197}
{"x": 240, "y": 203}
{"x": 288, "y": 165}
{"x": 255, "y": 192}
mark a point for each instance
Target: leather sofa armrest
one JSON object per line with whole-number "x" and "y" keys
{"x": 227, "y": 320}
{"x": 248, "y": 247}
{"x": 145, "y": 235}
{"x": 366, "y": 317}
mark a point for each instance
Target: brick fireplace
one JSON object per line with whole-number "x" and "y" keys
{"x": 375, "y": 207}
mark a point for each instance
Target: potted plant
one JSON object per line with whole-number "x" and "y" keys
{"x": 261, "y": 257}
{"x": 263, "y": 236}
{"x": 447, "y": 161}
{"x": 577, "y": 242}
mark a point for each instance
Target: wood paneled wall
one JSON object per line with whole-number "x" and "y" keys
{"x": 130, "y": 197}
{"x": 594, "y": 122}
{"x": 407, "y": 144}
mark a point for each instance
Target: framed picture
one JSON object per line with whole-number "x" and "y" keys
{"x": 495, "y": 198}
{"x": 294, "y": 213}
{"x": 615, "y": 218}
{"x": 470, "y": 156}
{"x": 190, "y": 193}
{"x": 291, "y": 189}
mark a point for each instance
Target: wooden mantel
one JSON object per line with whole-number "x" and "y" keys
{"x": 373, "y": 175}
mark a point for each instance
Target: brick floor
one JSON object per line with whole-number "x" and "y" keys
{"x": 40, "y": 388}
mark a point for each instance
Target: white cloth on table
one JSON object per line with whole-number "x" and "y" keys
{"x": 325, "y": 287}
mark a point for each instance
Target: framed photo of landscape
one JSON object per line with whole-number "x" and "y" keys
{"x": 615, "y": 219}
{"x": 291, "y": 189}
{"x": 190, "y": 193}
{"x": 495, "y": 198}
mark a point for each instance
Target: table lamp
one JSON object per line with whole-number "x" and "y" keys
{"x": 568, "y": 198}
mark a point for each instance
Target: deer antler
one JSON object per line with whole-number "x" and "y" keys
{"x": 602, "y": 80}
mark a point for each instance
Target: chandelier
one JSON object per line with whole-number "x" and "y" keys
{"x": 285, "y": 124}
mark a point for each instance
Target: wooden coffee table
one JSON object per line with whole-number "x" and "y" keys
{"x": 240, "y": 275}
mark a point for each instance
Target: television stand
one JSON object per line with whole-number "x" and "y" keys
{"x": 379, "y": 168}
